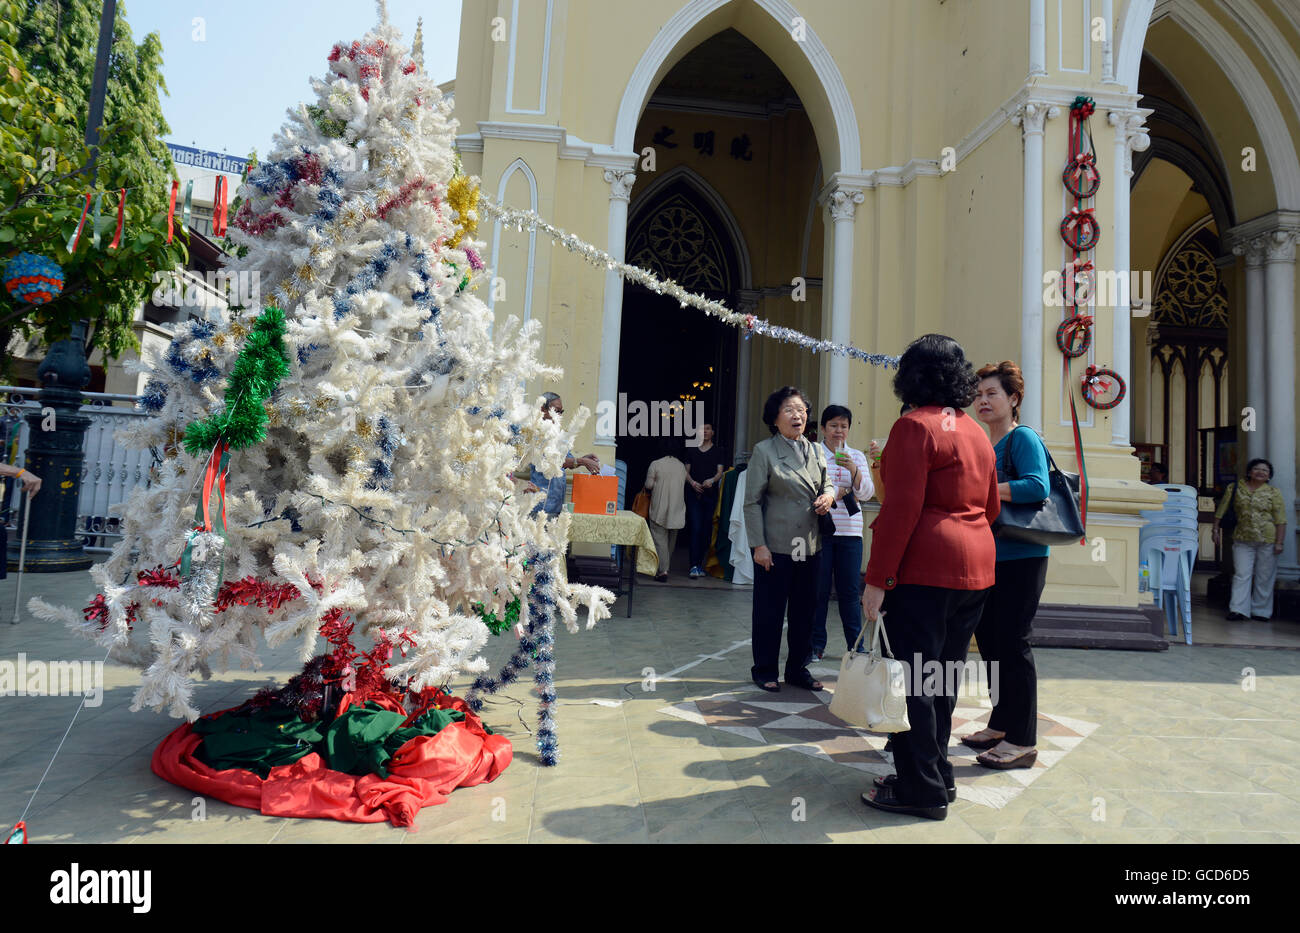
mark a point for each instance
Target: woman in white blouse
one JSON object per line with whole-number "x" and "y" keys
{"x": 842, "y": 558}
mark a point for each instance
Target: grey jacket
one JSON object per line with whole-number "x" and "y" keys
{"x": 779, "y": 494}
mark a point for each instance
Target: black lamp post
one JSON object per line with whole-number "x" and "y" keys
{"x": 57, "y": 456}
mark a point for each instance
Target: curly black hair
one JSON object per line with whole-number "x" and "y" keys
{"x": 934, "y": 371}
{"x": 772, "y": 407}
{"x": 1256, "y": 462}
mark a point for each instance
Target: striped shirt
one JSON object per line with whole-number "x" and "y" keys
{"x": 846, "y": 524}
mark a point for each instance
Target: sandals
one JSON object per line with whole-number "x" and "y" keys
{"x": 806, "y": 682}
{"x": 970, "y": 741}
{"x": 891, "y": 780}
{"x": 1025, "y": 759}
{"x": 883, "y": 798}
{"x": 771, "y": 686}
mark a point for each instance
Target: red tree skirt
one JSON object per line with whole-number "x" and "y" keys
{"x": 424, "y": 772}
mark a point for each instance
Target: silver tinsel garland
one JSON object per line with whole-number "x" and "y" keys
{"x": 748, "y": 323}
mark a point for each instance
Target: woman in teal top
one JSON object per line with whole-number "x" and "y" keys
{"x": 1004, "y": 626}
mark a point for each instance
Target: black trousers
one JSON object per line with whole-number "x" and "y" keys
{"x": 793, "y": 584}
{"x": 928, "y": 623}
{"x": 1003, "y": 638}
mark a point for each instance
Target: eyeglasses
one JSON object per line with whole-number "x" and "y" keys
{"x": 792, "y": 410}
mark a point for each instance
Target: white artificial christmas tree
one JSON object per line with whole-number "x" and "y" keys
{"x": 381, "y": 490}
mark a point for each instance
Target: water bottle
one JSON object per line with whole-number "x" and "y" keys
{"x": 1144, "y": 577}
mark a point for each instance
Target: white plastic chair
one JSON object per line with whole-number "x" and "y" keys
{"x": 1170, "y": 552}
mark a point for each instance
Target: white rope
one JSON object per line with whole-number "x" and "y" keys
{"x": 60, "y": 748}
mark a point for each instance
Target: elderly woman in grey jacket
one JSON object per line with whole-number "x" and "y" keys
{"x": 786, "y": 489}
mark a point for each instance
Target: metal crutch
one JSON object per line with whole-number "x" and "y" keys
{"x": 22, "y": 556}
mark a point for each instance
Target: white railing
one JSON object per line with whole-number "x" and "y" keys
{"x": 109, "y": 471}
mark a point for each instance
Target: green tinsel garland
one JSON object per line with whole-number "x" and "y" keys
{"x": 258, "y": 369}
{"x": 497, "y": 626}
{"x": 329, "y": 126}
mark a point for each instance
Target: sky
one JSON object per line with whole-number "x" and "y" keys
{"x": 231, "y": 76}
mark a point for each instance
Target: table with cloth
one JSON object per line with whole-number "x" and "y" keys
{"x": 625, "y": 529}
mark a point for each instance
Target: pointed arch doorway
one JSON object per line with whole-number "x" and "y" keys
{"x": 679, "y": 230}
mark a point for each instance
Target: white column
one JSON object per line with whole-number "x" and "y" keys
{"x": 1037, "y": 38}
{"x": 1031, "y": 117}
{"x": 620, "y": 191}
{"x": 1279, "y": 415}
{"x": 1253, "y": 357}
{"x": 1129, "y": 136}
{"x": 843, "y": 203}
{"x": 747, "y": 304}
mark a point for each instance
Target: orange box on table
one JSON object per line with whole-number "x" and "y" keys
{"x": 595, "y": 495}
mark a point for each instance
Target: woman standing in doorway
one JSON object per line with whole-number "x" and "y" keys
{"x": 1003, "y": 631}
{"x": 1256, "y": 541}
{"x": 706, "y": 468}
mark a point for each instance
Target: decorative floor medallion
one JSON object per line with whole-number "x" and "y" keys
{"x": 802, "y": 722}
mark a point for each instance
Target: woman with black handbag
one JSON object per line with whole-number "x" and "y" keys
{"x": 1004, "y": 627}
{"x": 1254, "y": 513}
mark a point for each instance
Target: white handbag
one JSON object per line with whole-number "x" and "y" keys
{"x": 872, "y": 690}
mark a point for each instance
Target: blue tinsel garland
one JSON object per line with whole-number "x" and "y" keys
{"x": 536, "y": 648}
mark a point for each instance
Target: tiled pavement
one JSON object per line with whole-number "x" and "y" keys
{"x": 1137, "y": 747}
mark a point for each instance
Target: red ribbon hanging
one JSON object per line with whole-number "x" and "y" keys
{"x": 219, "y": 208}
{"x": 171, "y": 212}
{"x": 121, "y": 217}
{"x": 81, "y": 224}
{"x": 214, "y": 476}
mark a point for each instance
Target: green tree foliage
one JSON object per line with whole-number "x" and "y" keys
{"x": 47, "y": 56}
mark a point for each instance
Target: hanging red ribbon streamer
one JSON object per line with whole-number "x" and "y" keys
{"x": 171, "y": 212}
{"x": 121, "y": 217}
{"x": 219, "y": 208}
{"x": 214, "y": 476}
{"x": 81, "y": 224}
{"x": 1083, "y": 474}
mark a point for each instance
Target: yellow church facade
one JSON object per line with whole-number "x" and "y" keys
{"x": 868, "y": 171}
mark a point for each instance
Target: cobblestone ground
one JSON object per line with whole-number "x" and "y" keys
{"x": 1195, "y": 744}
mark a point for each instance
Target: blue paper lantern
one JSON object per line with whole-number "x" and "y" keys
{"x": 33, "y": 279}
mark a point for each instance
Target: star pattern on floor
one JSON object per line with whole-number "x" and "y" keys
{"x": 805, "y": 725}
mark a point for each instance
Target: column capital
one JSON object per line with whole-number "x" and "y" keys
{"x": 1032, "y": 115}
{"x": 747, "y": 300}
{"x": 1130, "y": 131}
{"x": 843, "y": 200}
{"x": 1279, "y": 246}
{"x": 620, "y": 183}
{"x": 1252, "y": 250}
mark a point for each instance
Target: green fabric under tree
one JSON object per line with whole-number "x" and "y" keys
{"x": 361, "y": 741}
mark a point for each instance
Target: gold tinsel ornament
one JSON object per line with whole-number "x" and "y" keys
{"x": 462, "y": 195}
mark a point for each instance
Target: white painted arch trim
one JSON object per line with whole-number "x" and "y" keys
{"x": 1277, "y": 52}
{"x": 715, "y": 201}
{"x": 518, "y": 165}
{"x": 638, "y": 90}
{"x": 1279, "y": 147}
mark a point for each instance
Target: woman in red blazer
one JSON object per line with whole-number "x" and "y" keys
{"x": 932, "y": 560}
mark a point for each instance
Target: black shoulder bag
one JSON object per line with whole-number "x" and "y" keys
{"x": 1055, "y": 520}
{"x": 1229, "y": 520}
